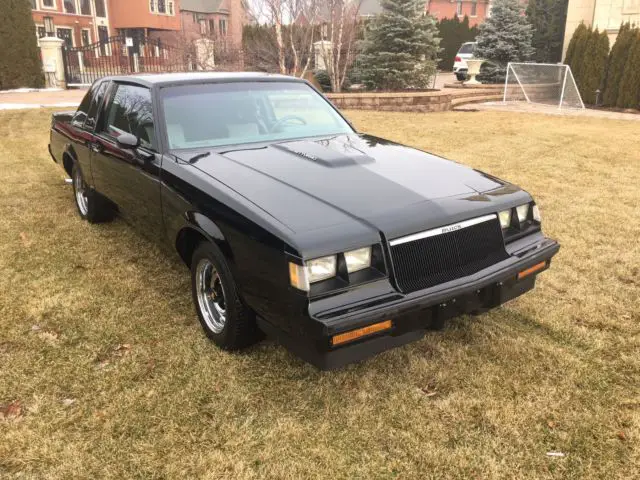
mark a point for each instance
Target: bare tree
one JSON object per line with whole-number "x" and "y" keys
{"x": 294, "y": 23}
{"x": 342, "y": 25}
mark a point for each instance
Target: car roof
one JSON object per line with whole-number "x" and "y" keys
{"x": 160, "y": 79}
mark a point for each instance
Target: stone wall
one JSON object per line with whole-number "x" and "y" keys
{"x": 393, "y": 102}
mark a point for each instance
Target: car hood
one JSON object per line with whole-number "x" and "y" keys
{"x": 313, "y": 184}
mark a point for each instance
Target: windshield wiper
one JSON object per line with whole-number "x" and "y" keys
{"x": 200, "y": 156}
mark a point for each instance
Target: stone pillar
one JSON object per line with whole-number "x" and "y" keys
{"x": 323, "y": 49}
{"x": 52, "y": 63}
{"x": 204, "y": 54}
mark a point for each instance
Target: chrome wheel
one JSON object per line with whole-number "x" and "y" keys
{"x": 210, "y": 294}
{"x": 81, "y": 192}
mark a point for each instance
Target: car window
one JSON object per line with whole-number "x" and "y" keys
{"x": 81, "y": 114}
{"x": 96, "y": 101}
{"x": 130, "y": 111}
{"x": 467, "y": 48}
{"x": 216, "y": 114}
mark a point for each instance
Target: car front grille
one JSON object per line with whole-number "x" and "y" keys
{"x": 448, "y": 253}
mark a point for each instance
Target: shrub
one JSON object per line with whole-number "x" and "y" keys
{"x": 322, "y": 77}
{"x": 453, "y": 33}
{"x": 617, "y": 60}
{"x": 20, "y": 63}
{"x": 629, "y": 95}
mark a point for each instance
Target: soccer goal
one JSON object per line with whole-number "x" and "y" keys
{"x": 542, "y": 83}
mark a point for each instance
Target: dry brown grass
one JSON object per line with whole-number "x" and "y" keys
{"x": 109, "y": 375}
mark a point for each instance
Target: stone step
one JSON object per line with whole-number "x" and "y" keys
{"x": 458, "y": 101}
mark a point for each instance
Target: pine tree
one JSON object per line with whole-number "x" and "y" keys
{"x": 20, "y": 64}
{"x": 453, "y": 34}
{"x": 504, "y": 37}
{"x": 400, "y": 49}
{"x": 548, "y": 18}
{"x": 629, "y": 96}
{"x": 594, "y": 65}
{"x": 617, "y": 61}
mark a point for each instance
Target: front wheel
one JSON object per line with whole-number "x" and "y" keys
{"x": 223, "y": 316}
{"x": 461, "y": 77}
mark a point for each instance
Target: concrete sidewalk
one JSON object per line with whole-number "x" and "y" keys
{"x": 10, "y": 100}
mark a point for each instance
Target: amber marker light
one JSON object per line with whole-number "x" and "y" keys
{"x": 361, "y": 332}
{"x": 536, "y": 268}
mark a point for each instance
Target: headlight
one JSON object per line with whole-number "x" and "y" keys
{"x": 536, "y": 214}
{"x": 523, "y": 211}
{"x": 313, "y": 271}
{"x": 358, "y": 259}
{"x": 505, "y": 218}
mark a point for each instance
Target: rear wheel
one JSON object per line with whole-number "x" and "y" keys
{"x": 90, "y": 206}
{"x": 223, "y": 316}
{"x": 461, "y": 77}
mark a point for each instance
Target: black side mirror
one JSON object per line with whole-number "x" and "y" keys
{"x": 127, "y": 140}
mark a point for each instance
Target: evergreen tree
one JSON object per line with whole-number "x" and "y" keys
{"x": 575, "y": 39}
{"x": 453, "y": 34}
{"x": 548, "y": 18}
{"x": 400, "y": 49}
{"x": 504, "y": 37}
{"x": 20, "y": 64}
{"x": 629, "y": 96}
{"x": 594, "y": 65}
{"x": 617, "y": 61}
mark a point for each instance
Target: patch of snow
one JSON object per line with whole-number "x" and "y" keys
{"x": 22, "y": 106}
{"x": 30, "y": 90}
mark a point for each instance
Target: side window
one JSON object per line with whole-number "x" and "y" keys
{"x": 81, "y": 114}
{"x": 95, "y": 104}
{"x": 130, "y": 112}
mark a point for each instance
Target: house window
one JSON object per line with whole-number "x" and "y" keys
{"x": 42, "y": 32}
{"x": 152, "y": 5}
{"x": 100, "y": 10}
{"x": 203, "y": 26}
{"x": 212, "y": 27}
{"x": 474, "y": 9}
{"x": 65, "y": 34}
{"x": 48, "y": 4}
{"x": 85, "y": 7}
{"x": 222, "y": 26}
{"x": 34, "y": 5}
{"x": 103, "y": 36}
{"x": 86, "y": 38}
{"x": 459, "y": 9}
{"x": 69, "y": 6}
{"x": 49, "y": 27}
{"x": 162, "y": 6}
{"x": 170, "y": 4}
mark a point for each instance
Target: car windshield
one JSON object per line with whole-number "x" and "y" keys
{"x": 467, "y": 48}
{"x": 216, "y": 114}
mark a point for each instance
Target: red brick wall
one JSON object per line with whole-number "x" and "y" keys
{"x": 447, "y": 9}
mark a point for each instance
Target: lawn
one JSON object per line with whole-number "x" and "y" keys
{"x": 105, "y": 373}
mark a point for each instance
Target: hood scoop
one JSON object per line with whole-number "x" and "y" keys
{"x": 330, "y": 153}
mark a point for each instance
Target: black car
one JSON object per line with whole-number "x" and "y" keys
{"x": 337, "y": 243}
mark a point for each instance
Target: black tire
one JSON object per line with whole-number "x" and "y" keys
{"x": 239, "y": 328}
{"x": 89, "y": 204}
{"x": 461, "y": 77}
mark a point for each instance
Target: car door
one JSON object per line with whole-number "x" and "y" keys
{"x": 129, "y": 177}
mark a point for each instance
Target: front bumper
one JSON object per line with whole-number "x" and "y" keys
{"x": 413, "y": 314}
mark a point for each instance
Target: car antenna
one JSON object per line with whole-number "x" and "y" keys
{"x": 200, "y": 156}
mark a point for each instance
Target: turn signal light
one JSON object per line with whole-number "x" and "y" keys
{"x": 536, "y": 268}
{"x": 361, "y": 332}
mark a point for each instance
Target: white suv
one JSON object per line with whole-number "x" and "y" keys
{"x": 460, "y": 64}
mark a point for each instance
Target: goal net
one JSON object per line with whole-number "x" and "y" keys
{"x": 543, "y": 83}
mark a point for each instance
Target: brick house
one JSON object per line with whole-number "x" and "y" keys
{"x": 221, "y": 20}
{"x": 158, "y": 19}
{"x": 476, "y": 10}
{"x": 77, "y": 22}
